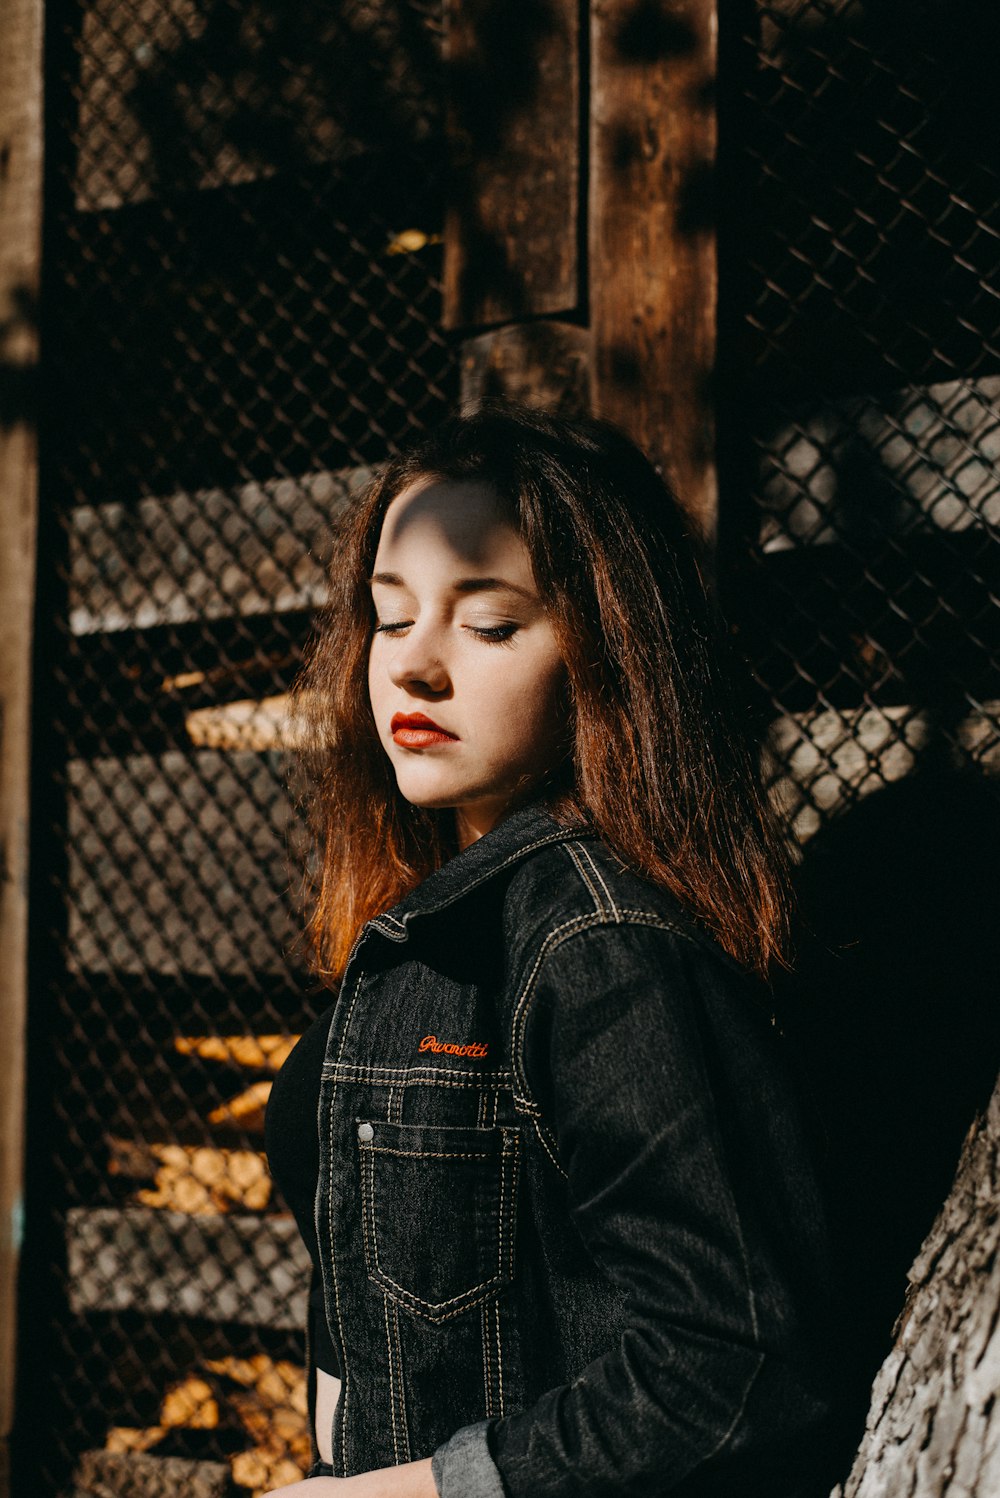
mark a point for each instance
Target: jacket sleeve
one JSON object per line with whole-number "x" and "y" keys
{"x": 617, "y": 1046}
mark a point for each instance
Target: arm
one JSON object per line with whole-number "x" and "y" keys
{"x": 413, "y": 1480}
{"x": 620, "y": 1051}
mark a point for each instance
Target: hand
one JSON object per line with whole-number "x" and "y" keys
{"x": 414, "y": 1480}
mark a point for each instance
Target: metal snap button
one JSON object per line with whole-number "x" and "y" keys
{"x": 366, "y": 1133}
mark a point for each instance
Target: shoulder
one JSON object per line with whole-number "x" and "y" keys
{"x": 610, "y": 967}
{"x": 579, "y": 891}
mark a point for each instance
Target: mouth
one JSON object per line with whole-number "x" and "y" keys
{"x": 416, "y": 731}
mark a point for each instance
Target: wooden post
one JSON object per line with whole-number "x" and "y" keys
{"x": 651, "y": 235}
{"x": 511, "y": 237}
{"x": 20, "y": 253}
{"x": 513, "y": 272}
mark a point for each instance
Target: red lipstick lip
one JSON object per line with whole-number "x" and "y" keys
{"x": 417, "y": 731}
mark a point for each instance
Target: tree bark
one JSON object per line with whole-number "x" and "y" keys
{"x": 933, "y": 1428}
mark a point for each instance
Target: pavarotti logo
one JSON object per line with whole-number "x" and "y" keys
{"x": 446, "y": 1048}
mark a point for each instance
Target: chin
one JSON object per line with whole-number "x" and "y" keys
{"x": 429, "y": 798}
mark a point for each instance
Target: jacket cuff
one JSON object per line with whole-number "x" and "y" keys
{"x": 463, "y": 1467}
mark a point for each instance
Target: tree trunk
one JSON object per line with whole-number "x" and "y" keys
{"x": 933, "y": 1429}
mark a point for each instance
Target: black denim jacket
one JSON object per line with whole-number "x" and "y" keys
{"x": 570, "y": 1238}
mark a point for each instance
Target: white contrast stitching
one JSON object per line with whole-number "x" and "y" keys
{"x": 487, "y": 1380}
{"x": 473, "y": 1294}
{"x": 586, "y": 853}
{"x": 345, "y": 1386}
{"x": 496, "y": 1322}
{"x": 386, "y": 923}
{"x": 409, "y": 1294}
{"x": 431, "y": 1309}
{"x": 559, "y": 836}
{"x": 350, "y": 1012}
{"x": 392, "y": 1379}
{"x": 368, "y": 1202}
{"x": 503, "y": 1215}
{"x": 363, "y": 1071}
{"x": 578, "y": 923}
{"x": 384, "y": 1149}
{"x": 347, "y": 1075}
{"x": 515, "y": 1158}
{"x": 545, "y": 1146}
{"x": 570, "y": 850}
{"x": 402, "y": 1387}
{"x": 555, "y": 938}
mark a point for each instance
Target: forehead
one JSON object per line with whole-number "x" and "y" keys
{"x": 442, "y": 518}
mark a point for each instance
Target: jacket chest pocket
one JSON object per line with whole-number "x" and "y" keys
{"x": 438, "y": 1212}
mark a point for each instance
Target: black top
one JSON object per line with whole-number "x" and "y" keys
{"x": 291, "y": 1138}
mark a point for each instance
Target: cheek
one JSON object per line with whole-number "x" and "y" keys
{"x": 376, "y": 675}
{"x": 376, "y": 686}
{"x": 538, "y": 704}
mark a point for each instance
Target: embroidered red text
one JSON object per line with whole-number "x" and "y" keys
{"x": 446, "y": 1048}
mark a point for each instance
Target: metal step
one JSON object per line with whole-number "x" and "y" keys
{"x": 251, "y": 1270}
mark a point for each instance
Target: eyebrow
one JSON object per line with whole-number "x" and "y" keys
{"x": 463, "y": 585}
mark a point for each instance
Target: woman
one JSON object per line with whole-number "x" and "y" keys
{"x": 568, "y": 1235}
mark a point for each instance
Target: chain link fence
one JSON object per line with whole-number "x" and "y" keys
{"x": 243, "y": 291}
{"x": 242, "y": 316}
{"x": 865, "y": 321}
{"x": 860, "y": 442}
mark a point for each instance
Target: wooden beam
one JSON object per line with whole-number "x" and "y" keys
{"x": 20, "y": 255}
{"x": 512, "y": 223}
{"x": 651, "y": 234}
{"x": 540, "y": 363}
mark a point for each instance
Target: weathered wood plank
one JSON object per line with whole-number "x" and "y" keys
{"x": 512, "y": 223}
{"x": 651, "y": 236}
{"x": 20, "y": 248}
{"x": 540, "y": 363}
{"x": 250, "y": 1270}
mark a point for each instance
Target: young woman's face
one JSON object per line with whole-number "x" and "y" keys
{"x": 466, "y": 681}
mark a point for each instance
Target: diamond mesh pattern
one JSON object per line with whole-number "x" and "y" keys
{"x": 862, "y": 278}
{"x": 243, "y": 292}
{"x": 238, "y": 328}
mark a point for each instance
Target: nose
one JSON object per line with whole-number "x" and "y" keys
{"x": 417, "y": 662}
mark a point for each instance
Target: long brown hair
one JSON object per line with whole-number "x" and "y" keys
{"x": 661, "y": 766}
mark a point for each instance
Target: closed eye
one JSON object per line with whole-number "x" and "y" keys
{"x": 497, "y": 634}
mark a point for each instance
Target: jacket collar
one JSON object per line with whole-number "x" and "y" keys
{"x": 518, "y": 835}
